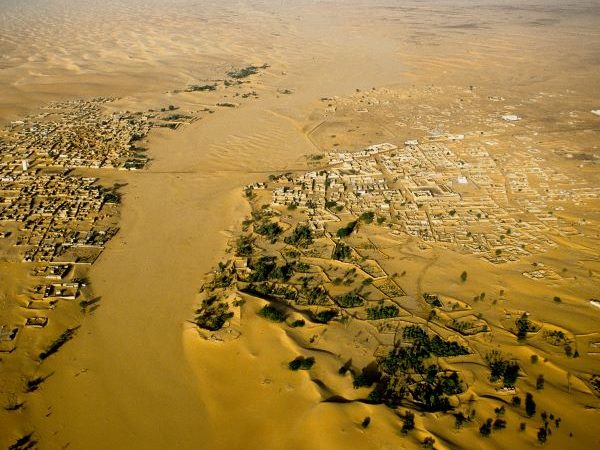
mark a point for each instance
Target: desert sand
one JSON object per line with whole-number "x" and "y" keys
{"x": 137, "y": 375}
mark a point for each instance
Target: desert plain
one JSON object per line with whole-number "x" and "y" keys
{"x": 236, "y": 129}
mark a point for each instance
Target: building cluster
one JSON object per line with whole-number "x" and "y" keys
{"x": 79, "y": 133}
{"x": 55, "y": 220}
{"x": 439, "y": 192}
{"x": 76, "y": 134}
{"x": 59, "y": 217}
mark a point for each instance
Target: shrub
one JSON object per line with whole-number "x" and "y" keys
{"x": 302, "y": 267}
{"x": 307, "y": 363}
{"x": 382, "y": 312}
{"x": 266, "y": 268}
{"x": 271, "y": 313}
{"x": 367, "y": 377}
{"x": 294, "y": 364}
{"x": 459, "y": 420}
{"x": 24, "y": 442}
{"x": 245, "y": 72}
{"x": 112, "y": 197}
{"x": 500, "y": 368}
{"x": 269, "y": 229}
{"x": 530, "y": 405}
{"x": 34, "y": 383}
{"x": 486, "y": 429}
{"x": 301, "y": 363}
{"x": 428, "y": 443}
{"x": 347, "y": 230}
{"x": 298, "y": 323}
{"x": 409, "y": 422}
{"x": 367, "y": 217}
{"x": 595, "y": 383}
{"x": 341, "y": 251}
{"x": 204, "y": 87}
{"x": 433, "y": 300}
{"x": 212, "y": 314}
{"x": 375, "y": 396}
{"x": 316, "y": 295}
{"x": 499, "y": 424}
{"x": 524, "y": 326}
{"x": 408, "y": 358}
{"x": 539, "y": 382}
{"x": 350, "y": 300}
{"x": 66, "y": 336}
{"x": 244, "y": 246}
{"x": 511, "y": 373}
{"x": 301, "y": 236}
{"x": 271, "y": 290}
{"x": 325, "y": 316}
{"x": 568, "y": 350}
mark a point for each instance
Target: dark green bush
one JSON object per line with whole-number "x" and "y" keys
{"x": 271, "y": 313}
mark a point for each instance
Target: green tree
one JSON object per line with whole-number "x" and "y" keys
{"x": 294, "y": 364}
{"x": 409, "y": 422}
{"x": 539, "y": 383}
{"x": 486, "y": 428}
{"x": 428, "y": 443}
{"x": 347, "y": 230}
{"x": 271, "y": 313}
{"x": 366, "y": 422}
{"x": 341, "y": 251}
{"x": 459, "y": 420}
{"x": 568, "y": 350}
{"x": 499, "y": 424}
{"x": 244, "y": 246}
{"x": 301, "y": 236}
{"x": 530, "y": 405}
{"x": 269, "y": 229}
{"x": 367, "y": 217}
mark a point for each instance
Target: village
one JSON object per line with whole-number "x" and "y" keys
{"x": 62, "y": 168}
{"x": 56, "y": 221}
{"x": 439, "y": 192}
{"x": 336, "y": 257}
{"x": 308, "y": 256}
